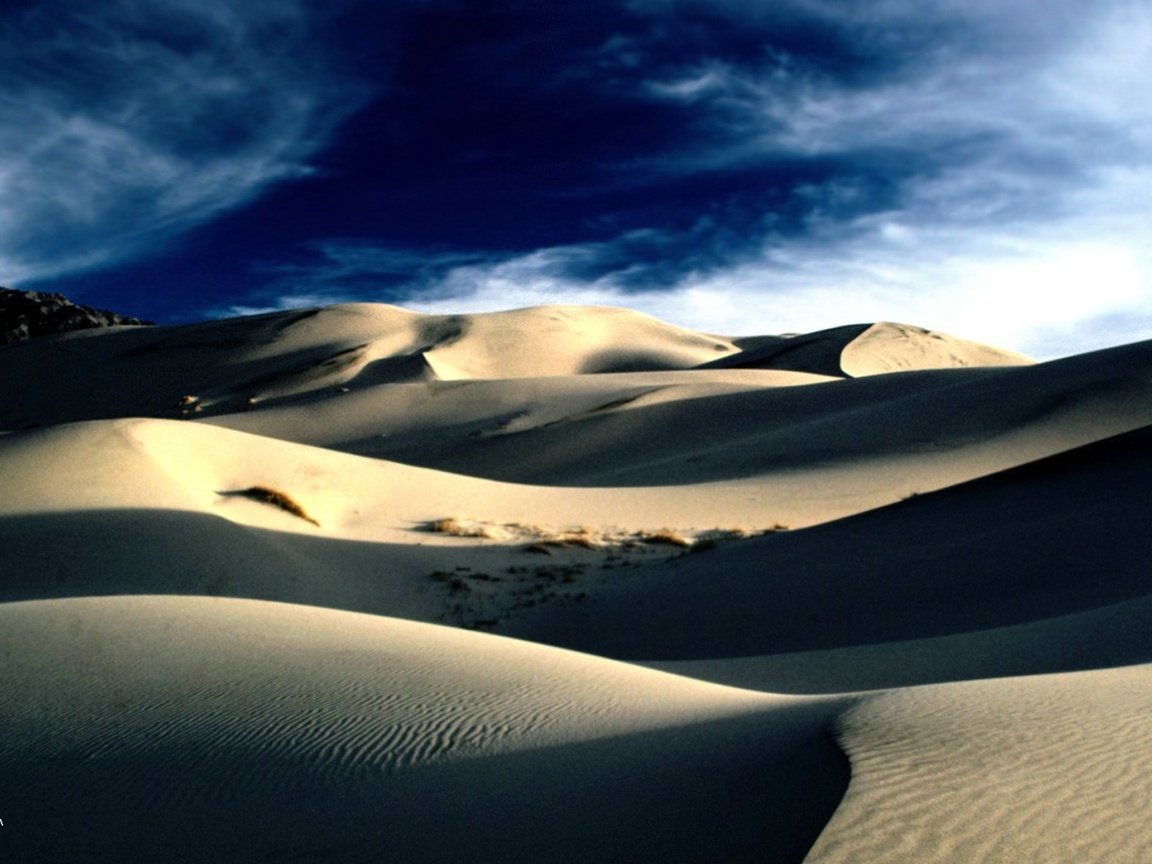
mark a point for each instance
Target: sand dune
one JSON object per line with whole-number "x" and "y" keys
{"x": 888, "y": 347}
{"x": 352, "y": 737}
{"x": 232, "y": 364}
{"x": 256, "y": 361}
{"x": 968, "y": 559}
{"x": 979, "y": 555}
{"x": 1036, "y": 769}
{"x": 943, "y": 427}
{"x": 865, "y": 349}
{"x": 226, "y": 549}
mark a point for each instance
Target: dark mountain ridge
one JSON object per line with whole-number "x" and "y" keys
{"x": 26, "y": 315}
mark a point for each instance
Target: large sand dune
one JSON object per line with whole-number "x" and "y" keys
{"x": 162, "y": 725}
{"x": 228, "y": 551}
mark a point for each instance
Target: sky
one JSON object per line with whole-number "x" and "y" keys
{"x": 980, "y": 167}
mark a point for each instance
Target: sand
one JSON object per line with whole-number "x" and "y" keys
{"x": 569, "y": 584}
{"x": 1047, "y": 769}
{"x": 222, "y": 729}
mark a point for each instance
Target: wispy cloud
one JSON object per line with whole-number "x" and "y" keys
{"x": 983, "y": 168}
{"x": 1012, "y": 145}
{"x": 350, "y": 270}
{"x": 123, "y": 123}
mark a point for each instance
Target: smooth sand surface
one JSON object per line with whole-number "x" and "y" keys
{"x": 240, "y": 560}
{"x": 857, "y": 350}
{"x": 1052, "y": 538}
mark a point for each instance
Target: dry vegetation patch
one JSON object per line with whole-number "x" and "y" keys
{"x": 274, "y": 497}
{"x": 545, "y": 540}
{"x": 575, "y": 560}
{"x": 467, "y": 528}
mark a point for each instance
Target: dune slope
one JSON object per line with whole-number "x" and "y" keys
{"x": 1049, "y": 769}
{"x": 1053, "y": 538}
{"x": 237, "y": 730}
{"x": 946, "y": 425}
{"x": 232, "y": 364}
{"x": 228, "y": 551}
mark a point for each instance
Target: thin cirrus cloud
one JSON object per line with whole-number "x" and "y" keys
{"x": 124, "y": 124}
{"x": 348, "y": 270}
{"x": 984, "y": 168}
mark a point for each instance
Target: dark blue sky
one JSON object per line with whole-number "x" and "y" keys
{"x": 728, "y": 165}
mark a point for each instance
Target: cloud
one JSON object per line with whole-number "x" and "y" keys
{"x": 987, "y": 169}
{"x": 1048, "y": 288}
{"x": 348, "y": 270}
{"x": 124, "y": 123}
{"x": 983, "y": 168}
{"x": 1048, "y": 295}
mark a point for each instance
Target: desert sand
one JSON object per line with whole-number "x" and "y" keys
{"x": 571, "y": 584}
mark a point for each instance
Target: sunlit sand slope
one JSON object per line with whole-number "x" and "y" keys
{"x": 865, "y": 349}
{"x": 1048, "y": 769}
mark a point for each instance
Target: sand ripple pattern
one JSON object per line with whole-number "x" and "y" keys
{"x": 1045, "y": 769}
{"x": 252, "y": 686}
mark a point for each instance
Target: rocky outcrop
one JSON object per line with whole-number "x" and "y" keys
{"x": 28, "y": 314}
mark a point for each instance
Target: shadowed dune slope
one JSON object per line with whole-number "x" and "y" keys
{"x": 428, "y": 422}
{"x": 1059, "y": 536}
{"x": 1101, "y": 637}
{"x": 238, "y": 730}
{"x": 817, "y": 352}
